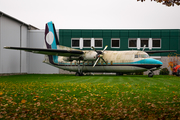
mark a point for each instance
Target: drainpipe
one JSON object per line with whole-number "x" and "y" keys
{"x": 1, "y": 70}
{"x": 20, "y": 43}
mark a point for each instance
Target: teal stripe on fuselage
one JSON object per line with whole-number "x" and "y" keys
{"x": 148, "y": 61}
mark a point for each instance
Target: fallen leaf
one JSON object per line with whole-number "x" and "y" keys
{"x": 23, "y": 101}
{"x": 148, "y": 103}
{"x": 153, "y": 105}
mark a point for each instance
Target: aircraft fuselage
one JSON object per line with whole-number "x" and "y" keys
{"x": 116, "y": 61}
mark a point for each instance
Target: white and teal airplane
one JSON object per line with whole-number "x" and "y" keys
{"x": 83, "y": 61}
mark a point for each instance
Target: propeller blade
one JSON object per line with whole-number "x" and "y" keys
{"x": 144, "y": 47}
{"x": 94, "y": 49}
{"x": 103, "y": 59}
{"x": 105, "y": 48}
{"x": 96, "y": 62}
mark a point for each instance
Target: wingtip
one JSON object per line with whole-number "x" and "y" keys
{"x": 6, "y": 47}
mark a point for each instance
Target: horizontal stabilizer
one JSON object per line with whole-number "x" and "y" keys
{"x": 160, "y": 51}
{"x": 57, "y": 52}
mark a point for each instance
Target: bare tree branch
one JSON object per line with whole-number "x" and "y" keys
{"x": 166, "y": 2}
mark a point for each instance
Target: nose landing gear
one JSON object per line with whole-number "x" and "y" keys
{"x": 150, "y": 74}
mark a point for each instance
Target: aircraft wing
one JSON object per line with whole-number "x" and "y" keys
{"x": 159, "y": 51}
{"x": 57, "y": 52}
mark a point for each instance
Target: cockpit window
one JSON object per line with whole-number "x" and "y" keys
{"x": 136, "y": 56}
{"x": 144, "y": 56}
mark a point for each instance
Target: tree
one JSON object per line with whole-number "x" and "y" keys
{"x": 166, "y": 2}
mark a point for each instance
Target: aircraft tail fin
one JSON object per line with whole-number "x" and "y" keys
{"x": 51, "y": 38}
{"x": 51, "y": 41}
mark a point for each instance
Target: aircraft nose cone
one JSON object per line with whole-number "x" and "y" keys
{"x": 154, "y": 61}
{"x": 160, "y": 63}
{"x": 157, "y": 62}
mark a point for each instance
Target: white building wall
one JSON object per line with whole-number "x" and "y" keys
{"x": 0, "y": 45}
{"x": 10, "y": 36}
{"x": 35, "y": 61}
{"x": 24, "y": 34}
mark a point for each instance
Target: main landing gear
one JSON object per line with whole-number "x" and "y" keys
{"x": 150, "y": 74}
{"x": 80, "y": 71}
{"x": 79, "y": 74}
{"x": 119, "y": 74}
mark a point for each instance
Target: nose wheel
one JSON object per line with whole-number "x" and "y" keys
{"x": 150, "y": 74}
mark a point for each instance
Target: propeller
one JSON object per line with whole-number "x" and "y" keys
{"x": 99, "y": 55}
{"x": 144, "y": 47}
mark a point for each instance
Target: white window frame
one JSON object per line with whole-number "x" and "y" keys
{"x": 144, "y": 39}
{"x": 92, "y": 42}
{"x": 84, "y": 39}
{"x": 95, "y": 42}
{"x": 75, "y": 39}
{"x": 133, "y": 39}
{"x": 156, "y": 39}
{"x": 115, "y": 39}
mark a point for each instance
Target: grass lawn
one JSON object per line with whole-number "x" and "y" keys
{"x": 89, "y": 97}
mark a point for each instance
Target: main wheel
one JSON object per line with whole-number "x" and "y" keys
{"x": 150, "y": 74}
{"x": 119, "y": 74}
{"x": 79, "y": 74}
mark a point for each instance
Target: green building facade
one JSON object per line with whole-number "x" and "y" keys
{"x": 154, "y": 39}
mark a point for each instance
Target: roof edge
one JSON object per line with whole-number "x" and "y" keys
{"x": 28, "y": 25}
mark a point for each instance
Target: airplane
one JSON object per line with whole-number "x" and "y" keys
{"x": 84, "y": 61}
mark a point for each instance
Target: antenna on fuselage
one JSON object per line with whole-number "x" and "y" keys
{"x": 144, "y": 47}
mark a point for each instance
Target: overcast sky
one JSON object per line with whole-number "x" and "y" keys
{"x": 94, "y": 14}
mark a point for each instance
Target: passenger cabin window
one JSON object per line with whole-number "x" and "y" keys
{"x": 133, "y": 42}
{"x": 87, "y": 42}
{"x": 75, "y": 42}
{"x": 156, "y": 43}
{"x": 144, "y": 41}
{"x": 115, "y": 43}
{"x": 141, "y": 56}
{"x": 98, "y": 42}
{"x": 136, "y": 56}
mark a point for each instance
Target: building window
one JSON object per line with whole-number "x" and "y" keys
{"x": 133, "y": 42}
{"x": 75, "y": 42}
{"x": 87, "y": 42}
{"x": 115, "y": 43}
{"x": 98, "y": 42}
{"x": 156, "y": 43}
{"x": 144, "y": 41}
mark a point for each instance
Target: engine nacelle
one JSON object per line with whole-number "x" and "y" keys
{"x": 90, "y": 56}
{"x": 67, "y": 59}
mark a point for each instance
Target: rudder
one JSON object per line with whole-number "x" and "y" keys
{"x": 51, "y": 38}
{"x": 51, "y": 41}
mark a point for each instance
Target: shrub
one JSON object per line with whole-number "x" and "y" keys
{"x": 164, "y": 71}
